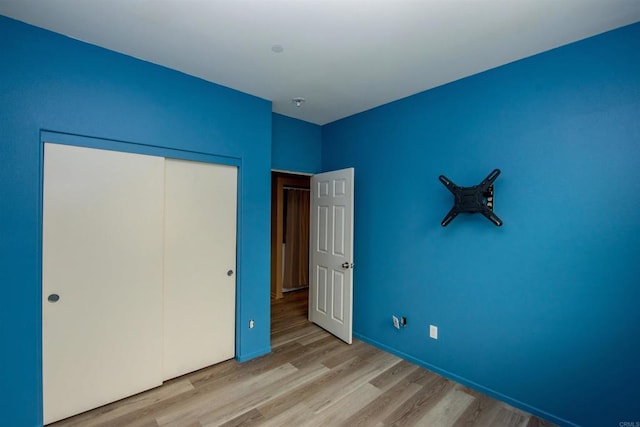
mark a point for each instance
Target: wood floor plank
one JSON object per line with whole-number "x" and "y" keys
{"x": 293, "y": 335}
{"x": 350, "y": 381}
{"x": 393, "y": 375}
{"x": 232, "y": 370}
{"x": 187, "y": 423}
{"x": 309, "y": 379}
{"x": 296, "y": 415}
{"x": 200, "y": 404}
{"x": 337, "y": 413}
{"x": 343, "y": 353}
{"x": 313, "y": 336}
{"x": 422, "y": 376}
{"x": 210, "y": 373}
{"x": 414, "y": 408}
{"x": 242, "y": 371}
{"x": 480, "y": 413}
{"x": 118, "y": 411}
{"x": 316, "y": 352}
{"x": 446, "y": 412}
{"x": 261, "y": 395}
{"x": 247, "y": 419}
{"x": 304, "y": 393}
{"x": 508, "y": 418}
{"x": 538, "y": 422}
{"x": 380, "y": 408}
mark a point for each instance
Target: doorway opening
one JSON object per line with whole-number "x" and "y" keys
{"x": 290, "y": 218}
{"x": 290, "y": 203}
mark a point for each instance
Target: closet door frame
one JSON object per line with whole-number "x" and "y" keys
{"x": 136, "y": 148}
{"x": 279, "y": 180}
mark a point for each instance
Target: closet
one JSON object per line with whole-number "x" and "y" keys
{"x": 138, "y": 273}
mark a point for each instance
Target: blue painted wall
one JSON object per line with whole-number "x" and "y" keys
{"x": 296, "y": 145}
{"x": 50, "y": 82}
{"x": 543, "y": 312}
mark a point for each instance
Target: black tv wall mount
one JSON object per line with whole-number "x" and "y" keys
{"x": 478, "y": 198}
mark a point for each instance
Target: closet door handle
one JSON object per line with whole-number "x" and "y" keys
{"x": 53, "y": 298}
{"x": 230, "y": 273}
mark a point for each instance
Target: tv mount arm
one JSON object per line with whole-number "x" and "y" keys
{"x": 478, "y": 198}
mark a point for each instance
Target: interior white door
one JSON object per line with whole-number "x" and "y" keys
{"x": 102, "y": 277}
{"x": 200, "y": 263}
{"x": 331, "y": 252}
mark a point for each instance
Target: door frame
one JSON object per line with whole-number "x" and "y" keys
{"x": 279, "y": 180}
{"x": 137, "y": 148}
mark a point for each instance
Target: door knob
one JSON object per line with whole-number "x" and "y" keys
{"x": 230, "y": 273}
{"x": 53, "y": 298}
{"x": 347, "y": 265}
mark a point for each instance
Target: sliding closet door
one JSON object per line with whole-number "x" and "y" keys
{"x": 102, "y": 277}
{"x": 200, "y": 264}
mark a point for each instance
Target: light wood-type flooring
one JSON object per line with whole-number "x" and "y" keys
{"x": 310, "y": 379}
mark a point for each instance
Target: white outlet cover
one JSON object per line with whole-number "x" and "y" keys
{"x": 396, "y": 322}
{"x": 433, "y": 332}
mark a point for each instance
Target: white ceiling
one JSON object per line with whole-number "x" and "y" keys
{"x": 342, "y": 56}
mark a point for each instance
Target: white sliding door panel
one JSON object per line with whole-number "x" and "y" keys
{"x": 331, "y": 252}
{"x": 102, "y": 256}
{"x": 200, "y": 264}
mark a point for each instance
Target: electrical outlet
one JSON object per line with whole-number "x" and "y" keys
{"x": 433, "y": 332}
{"x": 396, "y": 322}
{"x": 251, "y": 324}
